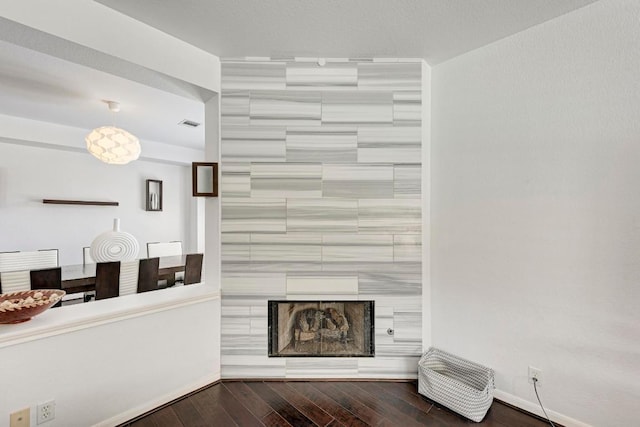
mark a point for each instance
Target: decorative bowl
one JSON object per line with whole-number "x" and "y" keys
{"x": 20, "y": 306}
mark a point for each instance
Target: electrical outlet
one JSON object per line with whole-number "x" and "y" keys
{"x": 46, "y": 411}
{"x": 535, "y": 373}
{"x": 20, "y": 418}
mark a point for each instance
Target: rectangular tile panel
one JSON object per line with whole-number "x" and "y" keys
{"x": 322, "y": 215}
{"x": 234, "y": 108}
{"x": 354, "y": 247}
{"x": 397, "y": 216}
{"x": 322, "y": 285}
{"x": 389, "y": 144}
{"x": 331, "y": 76}
{"x": 301, "y": 180}
{"x": 407, "y": 247}
{"x": 407, "y": 326}
{"x": 253, "y": 144}
{"x": 290, "y": 108}
{"x": 235, "y": 247}
{"x": 407, "y": 109}
{"x": 253, "y": 284}
{"x": 407, "y": 181}
{"x": 322, "y": 144}
{"x": 253, "y": 215}
{"x": 253, "y": 76}
{"x": 235, "y": 179}
{"x": 312, "y": 367}
{"x": 357, "y": 108}
{"x": 292, "y": 247}
{"x": 357, "y": 181}
{"x": 390, "y": 76}
{"x": 392, "y": 283}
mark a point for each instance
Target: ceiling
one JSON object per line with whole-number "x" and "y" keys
{"x": 435, "y": 30}
{"x": 47, "y": 88}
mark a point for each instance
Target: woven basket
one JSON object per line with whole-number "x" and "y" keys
{"x": 462, "y": 386}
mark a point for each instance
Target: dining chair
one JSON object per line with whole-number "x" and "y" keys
{"x": 193, "y": 269}
{"x": 128, "y": 279}
{"x": 14, "y": 281}
{"x": 107, "y": 279}
{"x": 162, "y": 249}
{"x": 28, "y": 260}
{"x": 47, "y": 278}
{"x": 148, "y": 274}
{"x": 86, "y": 256}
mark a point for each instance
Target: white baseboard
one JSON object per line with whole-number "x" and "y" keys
{"x": 159, "y": 401}
{"x": 534, "y": 408}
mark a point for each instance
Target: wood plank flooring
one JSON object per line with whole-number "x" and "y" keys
{"x": 318, "y": 403}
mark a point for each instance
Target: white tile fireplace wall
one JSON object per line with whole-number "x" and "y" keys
{"x": 321, "y": 198}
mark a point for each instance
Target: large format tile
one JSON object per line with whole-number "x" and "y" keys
{"x": 357, "y": 108}
{"x": 389, "y": 144}
{"x": 407, "y": 181}
{"x": 254, "y": 284}
{"x": 235, "y": 247}
{"x": 407, "y": 108}
{"x": 253, "y": 76}
{"x": 358, "y": 248}
{"x": 322, "y": 215}
{"x": 254, "y": 215}
{"x": 292, "y": 247}
{"x": 357, "y": 181}
{"x": 253, "y": 144}
{"x": 329, "y": 286}
{"x": 234, "y": 108}
{"x": 235, "y": 179}
{"x": 325, "y": 144}
{"x": 407, "y": 247}
{"x": 289, "y": 180}
{"x": 290, "y": 108}
{"x": 390, "y": 76}
{"x": 398, "y": 216}
{"x": 331, "y": 76}
{"x": 392, "y": 283}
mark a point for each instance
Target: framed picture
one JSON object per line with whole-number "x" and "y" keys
{"x": 154, "y": 195}
{"x": 204, "y": 179}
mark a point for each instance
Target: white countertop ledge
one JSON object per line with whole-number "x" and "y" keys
{"x": 62, "y": 320}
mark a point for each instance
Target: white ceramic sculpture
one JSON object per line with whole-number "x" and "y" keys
{"x": 114, "y": 245}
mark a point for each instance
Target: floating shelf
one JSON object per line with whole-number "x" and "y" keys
{"x": 79, "y": 202}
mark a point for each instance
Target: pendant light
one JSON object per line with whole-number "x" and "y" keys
{"x": 111, "y": 144}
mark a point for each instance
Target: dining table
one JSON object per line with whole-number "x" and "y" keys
{"x": 82, "y": 277}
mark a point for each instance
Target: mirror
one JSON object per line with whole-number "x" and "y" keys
{"x": 205, "y": 179}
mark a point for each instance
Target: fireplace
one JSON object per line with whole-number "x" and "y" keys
{"x": 321, "y": 328}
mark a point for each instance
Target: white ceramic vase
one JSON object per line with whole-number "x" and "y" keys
{"x": 114, "y": 245}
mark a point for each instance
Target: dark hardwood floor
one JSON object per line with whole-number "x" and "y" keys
{"x": 317, "y": 403}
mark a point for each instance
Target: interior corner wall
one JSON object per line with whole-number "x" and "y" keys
{"x": 321, "y": 199}
{"x": 535, "y": 207}
{"x": 29, "y": 174}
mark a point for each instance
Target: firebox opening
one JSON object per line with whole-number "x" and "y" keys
{"x": 321, "y": 328}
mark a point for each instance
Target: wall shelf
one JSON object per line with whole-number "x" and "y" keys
{"x": 79, "y": 202}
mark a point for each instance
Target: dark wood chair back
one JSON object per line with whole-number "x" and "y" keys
{"x": 193, "y": 269}
{"x": 107, "y": 279}
{"x": 148, "y": 274}
{"x": 47, "y": 278}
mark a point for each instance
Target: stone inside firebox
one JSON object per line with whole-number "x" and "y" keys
{"x": 321, "y": 328}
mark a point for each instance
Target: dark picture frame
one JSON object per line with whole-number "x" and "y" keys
{"x": 204, "y": 177}
{"x": 153, "y": 195}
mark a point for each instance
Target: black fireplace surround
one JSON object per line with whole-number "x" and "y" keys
{"x": 321, "y": 328}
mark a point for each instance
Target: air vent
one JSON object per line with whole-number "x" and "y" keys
{"x": 189, "y": 123}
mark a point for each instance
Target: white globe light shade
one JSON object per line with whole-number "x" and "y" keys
{"x": 113, "y": 145}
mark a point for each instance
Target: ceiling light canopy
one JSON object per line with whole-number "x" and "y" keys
{"x": 111, "y": 144}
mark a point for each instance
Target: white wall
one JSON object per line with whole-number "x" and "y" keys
{"x": 535, "y": 211}
{"x": 30, "y": 174}
{"x": 108, "y": 371}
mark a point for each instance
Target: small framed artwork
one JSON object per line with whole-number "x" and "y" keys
{"x": 204, "y": 179}
{"x": 154, "y": 195}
